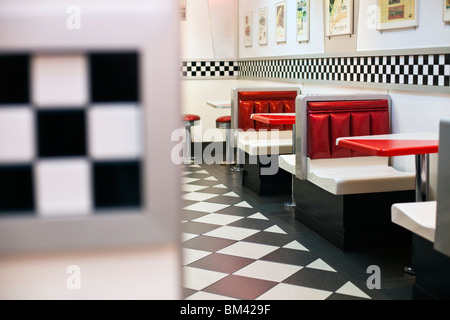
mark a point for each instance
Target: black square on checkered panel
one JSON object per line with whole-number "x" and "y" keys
{"x": 117, "y": 185}
{"x": 14, "y": 78}
{"x": 16, "y": 189}
{"x": 61, "y": 133}
{"x": 114, "y": 77}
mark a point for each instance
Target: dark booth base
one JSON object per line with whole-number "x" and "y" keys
{"x": 432, "y": 270}
{"x": 351, "y": 222}
{"x": 264, "y": 185}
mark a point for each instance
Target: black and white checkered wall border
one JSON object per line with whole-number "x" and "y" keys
{"x": 209, "y": 69}
{"x": 417, "y": 70}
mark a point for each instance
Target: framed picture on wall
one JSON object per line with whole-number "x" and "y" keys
{"x": 302, "y": 20}
{"x": 280, "y": 20}
{"x": 262, "y": 25}
{"x": 398, "y": 14}
{"x": 182, "y": 4}
{"x": 446, "y": 10}
{"x": 338, "y": 17}
{"x": 248, "y": 29}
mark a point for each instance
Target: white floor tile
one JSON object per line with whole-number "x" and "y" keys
{"x": 233, "y": 233}
{"x": 275, "y": 229}
{"x": 197, "y": 279}
{"x": 206, "y": 207}
{"x": 243, "y": 204}
{"x": 258, "y": 216}
{"x": 320, "y": 265}
{"x": 266, "y": 270}
{"x": 208, "y": 296}
{"x": 192, "y": 187}
{"x": 187, "y": 236}
{"x": 216, "y": 218}
{"x": 220, "y": 186}
{"x": 198, "y": 196}
{"x": 295, "y": 245}
{"x": 248, "y": 250}
{"x": 191, "y": 255}
{"x": 351, "y": 290}
{"x": 231, "y": 194}
{"x": 210, "y": 179}
{"x": 188, "y": 180}
{"x": 284, "y": 291}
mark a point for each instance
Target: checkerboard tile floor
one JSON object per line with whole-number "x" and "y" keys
{"x": 233, "y": 251}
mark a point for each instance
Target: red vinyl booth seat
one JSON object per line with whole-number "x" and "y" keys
{"x": 329, "y": 120}
{"x": 264, "y": 102}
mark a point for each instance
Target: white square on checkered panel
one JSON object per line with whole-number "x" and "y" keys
{"x": 59, "y": 80}
{"x": 115, "y": 132}
{"x": 16, "y": 134}
{"x": 63, "y": 187}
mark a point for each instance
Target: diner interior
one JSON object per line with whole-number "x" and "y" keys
{"x": 225, "y": 150}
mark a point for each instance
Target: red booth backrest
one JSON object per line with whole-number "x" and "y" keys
{"x": 264, "y": 102}
{"x": 329, "y": 120}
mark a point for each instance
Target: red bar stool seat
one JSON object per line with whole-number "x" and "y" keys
{"x": 225, "y": 123}
{"x": 189, "y": 121}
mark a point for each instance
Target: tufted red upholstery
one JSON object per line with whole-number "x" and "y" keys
{"x": 329, "y": 120}
{"x": 190, "y": 117}
{"x": 264, "y": 102}
{"x": 225, "y": 119}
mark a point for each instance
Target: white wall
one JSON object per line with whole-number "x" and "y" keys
{"x": 210, "y": 30}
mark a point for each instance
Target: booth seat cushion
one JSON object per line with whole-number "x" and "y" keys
{"x": 417, "y": 217}
{"x": 329, "y": 120}
{"x": 265, "y": 142}
{"x": 358, "y": 175}
{"x": 287, "y": 162}
{"x": 264, "y": 102}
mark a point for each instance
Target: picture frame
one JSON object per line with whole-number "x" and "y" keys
{"x": 397, "y": 14}
{"x": 262, "y": 25}
{"x": 280, "y": 21}
{"x": 446, "y": 8}
{"x": 338, "y": 17}
{"x": 182, "y": 4}
{"x": 303, "y": 20}
{"x": 248, "y": 29}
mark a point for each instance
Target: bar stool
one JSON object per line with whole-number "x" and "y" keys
{"x": 189, "y": 121}
{"x": 225, "y": 123}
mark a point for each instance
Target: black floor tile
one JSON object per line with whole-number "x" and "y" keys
{"x": 270, "y": 238}
{"x": 289, "y": 256}
{"x": 224, "y": 200}
{"x": 249, "y": 223}
{"x": 317, "y": 279}
{"x": 222, "y": 263}
{"x": 240, "y": 287}
{"x": 206, "y": 243}
{"x": 238, "y": 211}
{"x": 198, "y": 228}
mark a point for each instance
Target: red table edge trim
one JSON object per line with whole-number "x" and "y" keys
{"x": 386, "y": 152}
